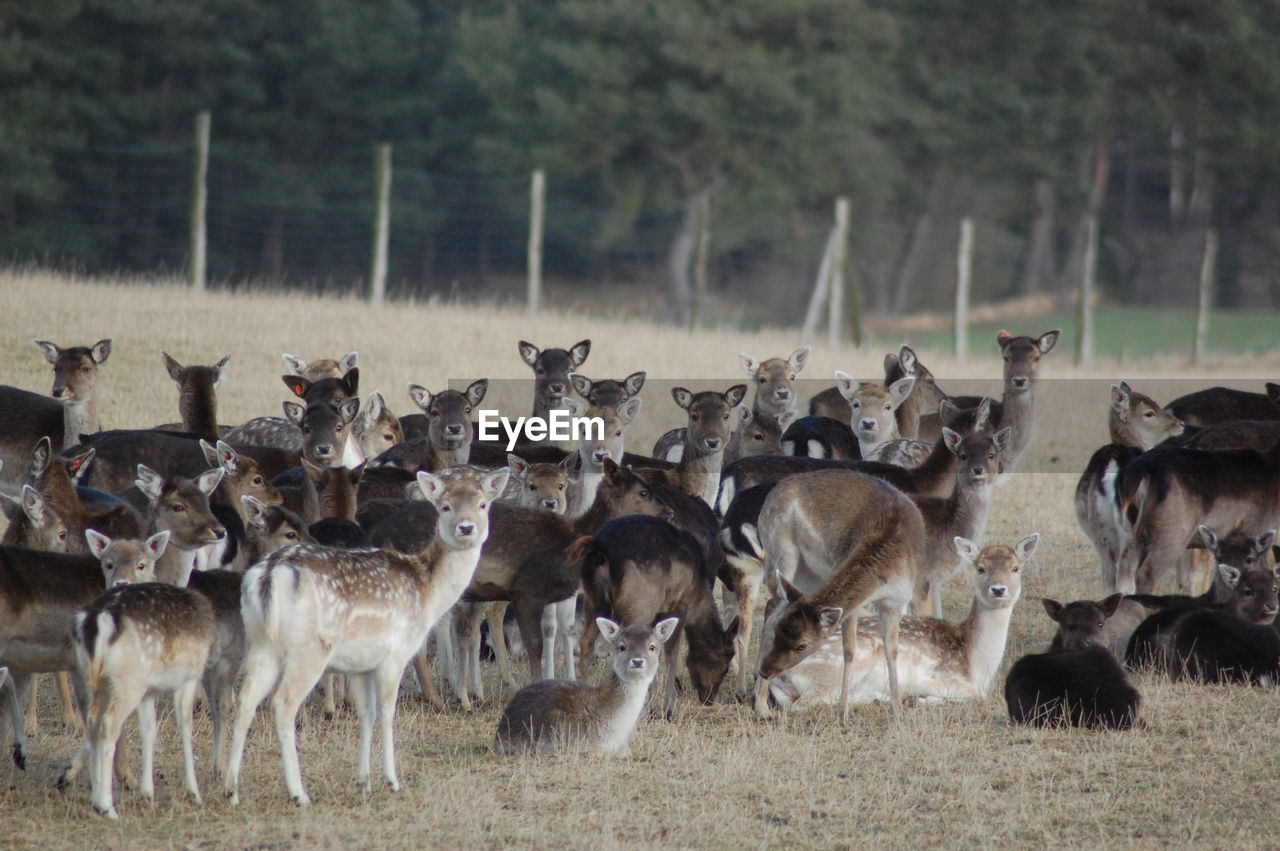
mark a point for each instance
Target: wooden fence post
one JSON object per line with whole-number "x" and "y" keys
{"x": 199, "y": 202}
{"x": 964, "y": 266}
{"x": 1084, "y": 343}
{"x": 537, "y": 213}
{"x": 839, "y": 241}
{"x": 381, "y": 222}
{"x": 1205, "y": 296}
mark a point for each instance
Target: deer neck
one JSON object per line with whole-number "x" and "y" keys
{"x": 699, "y": 475}
{"x": 937, "y": 471}
{"x": 443, "y": 573}
{"x": 199, "y": 411}
{"x": 970, "y": 506}
{"x": 1019, "y": 415}
{"x": 986, "y": 634}
{"x": 339, "y": 497}
{"x": 618, "y": 707}
{"x": 79, "y": 417}
{"x": 176, "y": 564}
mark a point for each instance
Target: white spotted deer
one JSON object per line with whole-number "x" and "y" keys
{"x": 937, "y": 660}
{"x": 364, "y": 613}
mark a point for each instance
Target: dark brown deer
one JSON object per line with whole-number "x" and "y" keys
{"x": 636, "y": 569}
{"x": 863, "y": 542}
{"x": 556, "y": 715}
{"x": 1079, "y": 682}
{"x": 709, "y": 428}
{"x": 607, "y": 392}
{"x": 1214, "y": 405}
{"x": 448, "y": 429}
{"x": 197, "y": 396}
{"x": 551, "y": 373}
{"x": 321, "y": 367}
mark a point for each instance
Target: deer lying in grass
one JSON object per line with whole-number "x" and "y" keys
{"x": 361, "y": 612}
{"x": 557, "y": 715}
{"x": 132, "y": 643}
{"x": 1079, "y": 682}
{"x": 635, "y": 569}
{"x": 937, "y": 660}
{"x": 1136, "y": 423}
{"x": 862, "y": 542}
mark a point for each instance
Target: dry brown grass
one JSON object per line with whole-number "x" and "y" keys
{"x": 718, "y": 777}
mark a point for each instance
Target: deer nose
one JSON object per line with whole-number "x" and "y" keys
{"x": 219, "y": 533}
{"x": 453, "y": 429}
{"x": 1269, "y": 608}
{"x": 1021, "y": 382}
{"x": 637, "y": 662}
{"x": 712, "y": 443}
{"x": 998, "y": 590}
{"x": 466, "y": 529}
{"x": 600, "y": 454}
{"x": 549, "y": 503}
{"x": 557, "y": 388}
{"x": 782, "y": 395}
{"x": 58, "y": 392}
{"x": 978, "y": 471}
{"x": 324, "y": 450}
{"x": 867, "y": 425}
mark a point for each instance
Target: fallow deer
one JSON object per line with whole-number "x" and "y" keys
{"x": 1136, "y": 423}
{"x": 25, "y": 417}
{"x": 197, "y": 396}
{"x": 709, "y": 426}
{"x": 635, "y": 569}
{"x": 132, "y": 643}
{"x": 820, "y": 437}
{"x": 321, "y": 367}
{"x": 555, "y": 715}
{"x": 448, "y": 427}
{"x": 607, "y": 392}
{"x": 872, "y": 408}
{"x": 862, "y": 542}
{"x": 361, "y": 612}
{"x": 1016, "y": 408}
{"x": 1214, "y": 405}
{"x": 551, "y": 373}
{"x": 924, "y": 399}
{"x": 937, "y": 660}
{"x": 376, "y": 429}
{"x": 1078, "y": 682}
{"x": 180, "y": 506}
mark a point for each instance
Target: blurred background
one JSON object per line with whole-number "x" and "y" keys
{"x": 693, "y": 150}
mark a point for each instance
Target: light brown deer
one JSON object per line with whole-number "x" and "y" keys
{"x": 132, "y": 643}
{"x": 872, "y": 406}
{"x": 558, "y": 715}
{"x": 775, "y": 381}
{"x": 361, "y": 612}
{"x": 376, "y": 429}
{"x": 937, "y": 660}
{"x": 924, "y": 399}
{"x": 709, "y": 428}
{"x": 321, "y": 367}
{"x": 180, "y": 506}
{"x": 25, "y": 417}
{"x": 837, "y": 539}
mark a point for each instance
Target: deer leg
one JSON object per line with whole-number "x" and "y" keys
{"x": 70, "y": 718}
{"x": 587, "y": 643}
{"x": 146, "y": 715}
{"x": 494, "y": 614}
{"x": 422, "y": 667}
{"x": 262, "y": 672}
{"x": 748, "y": 594}
{"x": 104, "y": 733}
{"x": 184, "y": 704}
{"x": 889, "y": 620}
{"x": 529, "y": 619}
{"x": 385, "y": 685}
{"x": 566, "y": 625}
{"x": 296, "y": 682}
{"x": 361, "y": 688}
{"x": 671, "y": 654}
{"x": 548, "y": 625}
{"x": 14, "y": 691}
{"x": 849, "y": 642}
{"x": 31, "y": 720}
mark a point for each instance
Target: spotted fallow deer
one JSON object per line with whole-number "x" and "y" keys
{"x": 25, "y": 417}
{"x": 361, "y": 612}
{"x": 834, "y": 540}
{"x": 937, "y": 660}
{"x": 1136, "y": 423}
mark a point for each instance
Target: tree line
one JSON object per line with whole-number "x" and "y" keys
{"x": 1157, "y": 116}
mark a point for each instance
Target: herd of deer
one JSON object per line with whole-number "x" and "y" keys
{"x": 249, "y": 561}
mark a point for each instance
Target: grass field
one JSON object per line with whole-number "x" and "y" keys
{"x": 959, "y": 775}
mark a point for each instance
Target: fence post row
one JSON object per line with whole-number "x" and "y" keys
{"x": 1205, "y": 296}
{"x": 381, "y": 222}
{"x": 964, "y": 266}
{"x": 1084, "y": 343}
{"x": 537, "y": 211}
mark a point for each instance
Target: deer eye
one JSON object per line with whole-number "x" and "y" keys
{"x": 791, "y": 377}
{"x": 62, "y": 536}
{"x": 762, "y": 379}
{"x": 644, "y": 494}
{"x": 178, "y": 508}
{"x": 693, "y": 417}
{"x": 652, "y": 647}
{"x": 257, "y": 480}
{"x": 142, "y": 566}
{"x": 446, "y": 508}
{"x": 533, "y": 487}
{"x": 725, "y": 415}
{"x": 560, "y": 486}
{"x": 291, "y": 536}
{"x": 1149, "y": 414}
{"x": 618, "y": 433}
{"x": 467, "y": 410}
{"x": 483, "y": 506}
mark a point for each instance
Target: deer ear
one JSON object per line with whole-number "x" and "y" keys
{"x": 1230, "y": 575}
{"x": 829, "y": 618}
{"x": 578, "y": 353}
{"x": 749, "y": 364}
{"x": 432, "y": 486}
{"x": 351, "y": 380}
{"x": 785, "y": 419}
{"x": 982, "y": 417}
{"x": 172, "y": 367}
{"x": 496, "y": 482}
{"x": 581, "y": 384}
{"x": 528, "y": 352}
{"x": 952, "y": 439}
{"x": 294, "y": 364}
{"x": 210, "y": 453}
{"x": 98, "y": 542}
{"x": 665, "y": 628}
{"x": 420, "y": 395}
{"x": 209, "y": 480}
{"x": 519, "y": 466}
{"x": 254, "y": 510}
{"x": 101, "y": 350}
{"x": 375, "y": 406}
{"x": 1048, "y": 340}
{"x": 634, "y": 382}
{"x": 297, "y": 385}
{"x": 630, "y": 409}
{"x": 157, "y": 542}
{"x": 576, "y": 406}
{"x": 735, "y": 394}
{"x": 1026, "y": 548}
{"x": 1273, "y": 392}
{"x": 1052, "y": 608}
{"x": 349, "y": 409}
{"x": 1003, "y": 337}
{"x": 348, "y": 362}
{"x": 1110, "y": 604}
{"x": 683, "y": 397}
{"x": 1119, "y": 397}
{"x": 608, "y": 629}
{"x": 967, "y": 549}
{"x": 220, "y": 371}
{"x": 49, "y": 350}
{"x": 800, "y": 357}
{"x": 792, "y": 592}
{"x": 901, "y": 389}
{"x": 1209, "y": 537}
{"x": 1002, "y": 438}
{"x": 907, "y": 360}
{"x": 150, "y": 482}
{"x": 1263, "y": 542}
{"x": 846, "y": 384}
{"x": 476, "y": 391}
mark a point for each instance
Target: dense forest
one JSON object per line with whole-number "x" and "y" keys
{"x": 1157, "y": 116}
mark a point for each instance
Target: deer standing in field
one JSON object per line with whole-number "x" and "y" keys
{"x": 40, "y": 593}
{"x": 132, "y": 643}
{"x": 180, "y": 506}
{"x": 1078, "y": 682}
{"x": 635, "y": 569}
{"x": 937, "y": 660}
{"x": 837, "y": 539}
{"x": 551, "y": 373}
{"x": 924, "y": 399}
{"x": 1016, "y": 408}
{"x": 448, "y": 427}
{"x": 872, "y": 407}
{"x": 554, "y": 715}
{"x": 709, "y": 427}
{"x": 1136, "y": 423}
{"x": 361, "y": 612}
{"x": 25, "y": 417}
